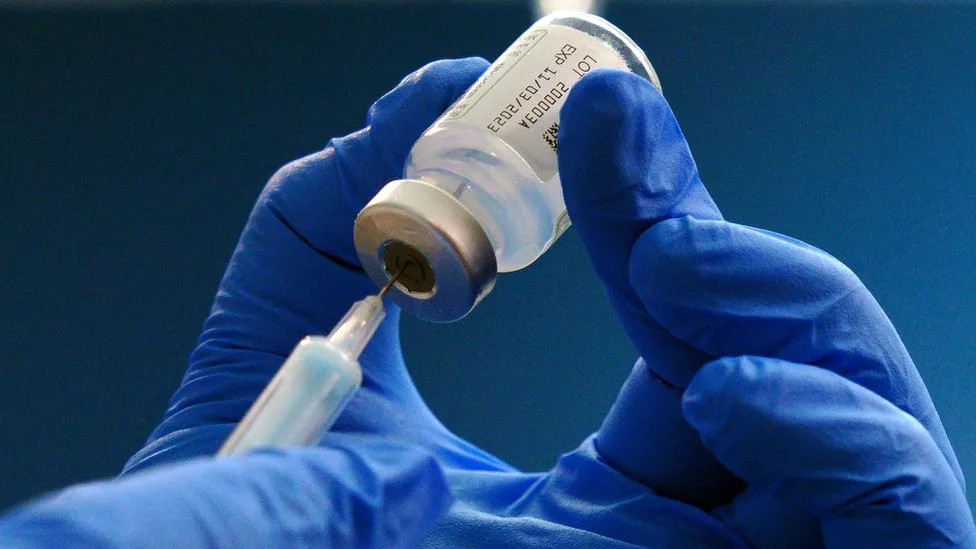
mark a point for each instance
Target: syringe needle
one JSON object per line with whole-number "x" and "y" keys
{"x": 386, "y": 287}
{"x": 315, "y": 382}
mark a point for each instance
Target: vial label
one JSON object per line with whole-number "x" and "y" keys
{"x": 519, "y": 96}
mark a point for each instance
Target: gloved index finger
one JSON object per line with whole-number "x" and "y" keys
{"x": 866, "y": 471}
{"x": 732, "y": 290}
{"x": 294, "y": 273}
{"x": 320, "y": 195}
{"x": 689, "y": 286}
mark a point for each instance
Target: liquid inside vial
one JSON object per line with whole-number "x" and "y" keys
{"x": 481, "y": 191}
{"x": 495, "y": 149}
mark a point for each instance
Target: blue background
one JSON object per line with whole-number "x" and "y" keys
{"x": 133, "y": 142}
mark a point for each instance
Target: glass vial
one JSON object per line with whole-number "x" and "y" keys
{"x": 481, "y": 191}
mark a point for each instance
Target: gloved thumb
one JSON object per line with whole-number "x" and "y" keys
{"x": 829, "y": 448}
{"x": 625, "y": 166}
{"x": 355, "y": 492}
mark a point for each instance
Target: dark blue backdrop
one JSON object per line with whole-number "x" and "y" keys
{"x": 132, "y": 144}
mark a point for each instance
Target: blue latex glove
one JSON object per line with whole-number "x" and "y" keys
{"x": 799, "y": 384}
{"x": 293, "y": 273}
{"x": 627, "y": 172}
{"x": 355, "y": 492}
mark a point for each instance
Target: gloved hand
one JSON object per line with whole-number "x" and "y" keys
{"x": 354, "y": 492}
{"x": 628, "y": 178}
{"x": 795, "y": 379}
{"x": 374, "y": 482}
{"x": 294, "y": 273}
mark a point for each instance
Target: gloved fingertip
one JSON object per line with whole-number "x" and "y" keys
{"x": 397, "y": 119}
{"x": 607, "y": 96}
{"x": 447, "y": 72}
{"x": 429, "y": 90}
{"x": 624, "y": 165}
{"x": 711, "y": 400}
{"x": 606, "y": 131}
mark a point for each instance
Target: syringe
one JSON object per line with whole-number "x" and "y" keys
{"x": 313, "y": 385}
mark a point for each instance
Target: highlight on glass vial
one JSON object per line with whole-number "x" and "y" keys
{"x": 481, "y": 192}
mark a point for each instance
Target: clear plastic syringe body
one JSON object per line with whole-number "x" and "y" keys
{"x": 312, "y": 387}
{"x": 481, "y": 191}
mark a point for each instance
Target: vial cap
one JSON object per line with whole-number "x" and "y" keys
{"x": 443, "y": 259}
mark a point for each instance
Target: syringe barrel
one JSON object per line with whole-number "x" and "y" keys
{"x": 302, "y": 401}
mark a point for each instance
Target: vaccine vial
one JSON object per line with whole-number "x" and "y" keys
{"x": 481, "y": 191}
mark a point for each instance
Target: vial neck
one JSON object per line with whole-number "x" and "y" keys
{"x": 475, "y": 200}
